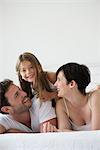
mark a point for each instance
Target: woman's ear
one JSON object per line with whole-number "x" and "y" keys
{"x": 6, "y": 109}
{"x": 72, "y": 83}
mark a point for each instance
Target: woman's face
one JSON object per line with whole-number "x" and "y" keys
{"x": 61, "y": 84}
{"x": 28, "y": 72}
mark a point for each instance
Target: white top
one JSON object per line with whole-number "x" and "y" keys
{"x": 85, "y": 127}
{"x": 40, "y": 112}
{"x": 8, "y": 122}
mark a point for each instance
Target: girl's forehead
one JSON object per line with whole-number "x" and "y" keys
{"x": 25, "y": 63}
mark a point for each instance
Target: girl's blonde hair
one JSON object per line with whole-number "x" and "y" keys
{"x": 42, "y": 82}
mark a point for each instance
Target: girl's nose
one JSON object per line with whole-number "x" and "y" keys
{"x": 27, "y": 71}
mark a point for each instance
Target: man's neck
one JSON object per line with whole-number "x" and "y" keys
{"x": 23, "y": 118}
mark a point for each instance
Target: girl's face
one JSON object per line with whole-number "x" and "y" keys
{"x": 28, "y": 72}
{"x": 61, "y": 84}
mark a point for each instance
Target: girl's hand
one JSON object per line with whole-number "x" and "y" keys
{"x": 48, "y": 127}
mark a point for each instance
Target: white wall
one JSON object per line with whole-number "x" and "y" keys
{"x": 56, "y": 31}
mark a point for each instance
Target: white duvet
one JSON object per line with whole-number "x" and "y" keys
{"x": 81, "y": 140}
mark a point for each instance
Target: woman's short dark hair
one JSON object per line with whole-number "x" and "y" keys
{"x": 77, "y": 72}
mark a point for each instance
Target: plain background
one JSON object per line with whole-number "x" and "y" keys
{"x": 56, "y": 31}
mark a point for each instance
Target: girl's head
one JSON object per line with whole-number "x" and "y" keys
{"x": 28, "y": 67}
{"x": 29, "y": 72}
{"x": 74, "y": 72}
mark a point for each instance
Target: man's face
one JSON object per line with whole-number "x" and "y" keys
{"x": 18, "y": 99}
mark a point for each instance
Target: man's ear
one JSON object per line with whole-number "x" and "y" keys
{"x": 6, "y": 109}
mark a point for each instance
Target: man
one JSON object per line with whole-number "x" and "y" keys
{"x": 18, "y": 109}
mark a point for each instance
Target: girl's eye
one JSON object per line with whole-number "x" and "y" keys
{"x": 24, "y": 70}
{"x": 31, "y": 67}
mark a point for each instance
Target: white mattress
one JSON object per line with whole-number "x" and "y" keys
{"x": 84, "y": 140}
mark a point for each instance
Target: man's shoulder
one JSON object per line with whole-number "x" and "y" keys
{"x": 4, "y": 116}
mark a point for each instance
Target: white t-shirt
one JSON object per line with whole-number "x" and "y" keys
{"x": 8, "y": 122}
{"x": 40, "y": 112}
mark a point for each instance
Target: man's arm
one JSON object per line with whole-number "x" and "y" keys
{"x": 16, "y": 131}
{"x": 2, "y": 129}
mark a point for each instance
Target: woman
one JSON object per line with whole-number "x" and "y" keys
{"x": 78, "y": 110}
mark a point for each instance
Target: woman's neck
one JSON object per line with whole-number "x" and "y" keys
{"x": 78, "y": 100}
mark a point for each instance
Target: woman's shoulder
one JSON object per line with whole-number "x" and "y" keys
{"x": 94, "y": 97}
{"x": 95, "y": 92}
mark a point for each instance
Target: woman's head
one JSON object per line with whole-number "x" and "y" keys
{"x": 75, "y": 72}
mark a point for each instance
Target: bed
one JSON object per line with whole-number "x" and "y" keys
{"x": 80, "y": 140}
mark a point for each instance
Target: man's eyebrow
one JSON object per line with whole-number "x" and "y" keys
{"x": 17, "y": 92}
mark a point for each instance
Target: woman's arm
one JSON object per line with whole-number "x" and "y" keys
{"x": 62, "y": 116}
{"x": 95, "y": 108}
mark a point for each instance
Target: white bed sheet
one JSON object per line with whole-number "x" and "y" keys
{"x": 81, "y": 140}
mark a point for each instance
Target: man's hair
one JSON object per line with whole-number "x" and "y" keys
{"x": 4, "y": 86}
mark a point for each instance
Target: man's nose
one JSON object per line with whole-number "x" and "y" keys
{"x": 23, "y": 93}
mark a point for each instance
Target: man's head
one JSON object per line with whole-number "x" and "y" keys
{"x": 12, "y": 98}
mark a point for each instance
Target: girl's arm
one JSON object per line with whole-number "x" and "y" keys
{"x": 51, "y": 77}
{"x": 44, "y": 127}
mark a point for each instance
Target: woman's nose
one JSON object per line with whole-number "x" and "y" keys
{"x": 55, "y": 84}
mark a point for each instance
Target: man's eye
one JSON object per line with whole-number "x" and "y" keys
{"x": 16, "y": 95}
